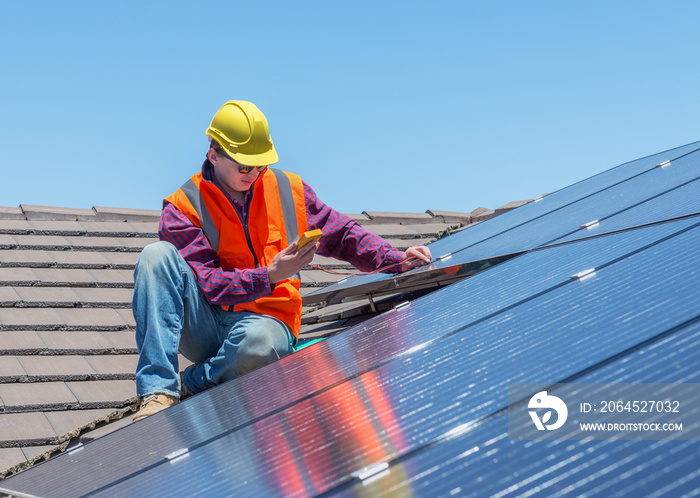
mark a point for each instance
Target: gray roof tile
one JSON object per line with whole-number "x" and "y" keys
{"x": 113, "y": 364}
{"x": 22, "y": 275}
{"x": 75, "y": 341}
{"x": 53, "y": 227}
{"x": 53, "y": 242}
{"x": 7, "y": 241}
{"x": 123, "y": 278}
{"x": 8, "y": 296}
{"x": 65, "y": 276}
{"x": 55, "y": 213}
{"x": 20, "y": 341}
{"x": 105, "y": 295}
{"x": 28, "y": 318}
{"x": 25, "y": 426}
{"x": 23, "y": 396}
{"x": 67, "y": 421}
{"x": 47, "y": 296}
{"x": 126, "y": 214}
{"x": 103, "y": 391}
{"x": 11, "y": 213}
{"x": 122, "y": 339}
{"x": 16, "y": 226}
{"x": 91, "y": 318}
{"x": 56, "y": 366}
{"x": 11, "y": 367}
{"x": 34, "y": 451}
{"x": 401, "y": 218}
{"x": 9, "y": 457}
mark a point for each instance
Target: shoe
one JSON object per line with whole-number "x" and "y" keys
{"x": 153, "y": 403}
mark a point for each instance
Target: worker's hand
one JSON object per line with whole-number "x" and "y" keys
{"x": 289, "y": 262}
{"x": 414, "y": 257}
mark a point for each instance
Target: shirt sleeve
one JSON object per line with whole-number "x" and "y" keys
{"x": 219, "y": 286}
{"x": 344, "y": 238}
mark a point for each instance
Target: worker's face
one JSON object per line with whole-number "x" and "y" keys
{"x": 227, "y": 173}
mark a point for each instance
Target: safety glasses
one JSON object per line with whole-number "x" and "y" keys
{"x": 247, "y": 169}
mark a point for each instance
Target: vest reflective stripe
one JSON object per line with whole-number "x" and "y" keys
{"x": 288, "y": 210}
{"x": 208, "y": 226}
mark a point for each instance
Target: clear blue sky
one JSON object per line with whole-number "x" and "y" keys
{"x": 386, "y": 106}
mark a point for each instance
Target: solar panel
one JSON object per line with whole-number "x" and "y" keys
{"x": 559, "y": 215}
{"x": 475, "y": 322}
{"x": 485, "y": 462}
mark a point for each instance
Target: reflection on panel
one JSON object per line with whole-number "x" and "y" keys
{"x": 484, "y": 462}
{"x": 393, "y": 410}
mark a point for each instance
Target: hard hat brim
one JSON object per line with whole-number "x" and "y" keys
{"x": 263, "y": 159}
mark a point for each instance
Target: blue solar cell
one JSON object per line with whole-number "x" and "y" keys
{"x": 483, "y": 462}
{"x": 550, "y": 336}
{"x": 502, "y": 314}
{"x": 561, "y": 216}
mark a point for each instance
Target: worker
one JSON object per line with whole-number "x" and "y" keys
{"x": 222, "y": 284}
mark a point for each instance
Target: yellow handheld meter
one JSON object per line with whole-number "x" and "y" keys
{"x": 310, "y": 236}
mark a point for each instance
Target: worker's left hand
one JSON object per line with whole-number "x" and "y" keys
{"x": 414, "y": 257}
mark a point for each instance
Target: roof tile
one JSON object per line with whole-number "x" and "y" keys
{"x": 7, "y": 241}
{"x": 400, "y": 218}
{"x": 11, "y": 367}
{"x": 24, "y": 275}
{"x": 10, "y": 213}
{"x": 29, "y": 318}
{"x": 56, "y": 213}
{"x": 66, "y": 276}
{"x": 16, "y": 226}
{"x": 25, "y": 426}
{"x": 105, "y": 295}
{"x": 9, "y": 457}
{"x": 113, "y": 364}
{"x": 510, "y": 206}
{"x": 53, "y": 242}
{"x": 91, "y": 317}
{"x": 8, "y": 296}
{"x": 47, "y": 296}
{"x": 103, "y": 391}
{"x": 62, "y": 227}
{"x": 84, "y": 340}
{"x": 18, "y": 341}
{"x": 67, "y": 421}
{"x": 35, "y": 394}
{"x": 126, "y": 214}
{"x": 451, "y": 217}
{"x": 56, "y": 366}
{"x": 121, "y": 339}
{"x": 113, "y": 277}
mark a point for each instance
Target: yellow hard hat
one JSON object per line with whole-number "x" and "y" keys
{"x": 242, "y": 130}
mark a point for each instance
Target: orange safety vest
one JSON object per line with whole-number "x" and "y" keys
{"x": 276, "y": 217}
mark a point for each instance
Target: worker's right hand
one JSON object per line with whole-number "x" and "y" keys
{"x": 289, "y": 262}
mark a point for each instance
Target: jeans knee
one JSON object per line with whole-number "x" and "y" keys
{"x": 155, "y": 255}
{"x": 259, "y": 348}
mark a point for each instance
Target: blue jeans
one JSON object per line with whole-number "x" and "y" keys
{"x": 171, "y": 314}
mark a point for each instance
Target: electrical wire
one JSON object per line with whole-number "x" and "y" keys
{"x": 378, "y": 270}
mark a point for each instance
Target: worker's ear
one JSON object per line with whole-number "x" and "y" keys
{"x": 213, "y": 157}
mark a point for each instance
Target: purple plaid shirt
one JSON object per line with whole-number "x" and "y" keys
{"x": 343, "y": 238}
